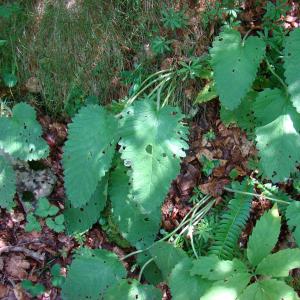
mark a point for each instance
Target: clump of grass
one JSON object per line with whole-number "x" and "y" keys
{"x": 75, "y": 48}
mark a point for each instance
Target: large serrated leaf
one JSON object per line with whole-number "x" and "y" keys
{"x": 212, "y": 268}
{"x": 194, "y": 286}
{"x": 228, "y": 289}
{"x": 269, "y": 289}
{"x": 88, "y": 152}
{"x": 91, "y": 273}
{"x": 292, "y": 66}
{"x": 293, "y": 219}
{"x": 138, "y": 228}
{"x": 166, "y": 256}
{"x": 81, "y": 219}
{"x": 235, "y": 65}
{"x": 278, "y": 143}
{"x": 153, "y": 141}
{"x": 127, "y": 289}
{"x": 20, "y": 135}
{"x": 264, "y": 236}
{"x": 279, "y": 264}
{"x": 7, "y": 183}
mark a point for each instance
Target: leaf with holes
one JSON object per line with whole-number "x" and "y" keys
{"x": 293, "y": 219}
{"x": 7, "y": 184}
{"x": 88, "y": 152}
{"x": 292, "y": 66}
{"x": 235, "y": 65}
{"x": 81, "y": 219}
{"x": 278, "y": 143}
{"x": 131, "y": 289}
{"x": 91, "y": 273}
{"x": 153, "y": 141}
{"x": 128, "y": 214}
{"x": 20, "y": 135}
{"x": 265, "y": 234}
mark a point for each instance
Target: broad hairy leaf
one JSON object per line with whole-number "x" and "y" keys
{"x": 131, "y": 289}
{"x": 227, "y": 289}
{"x": 91, "y": 273}
{"x": 264, "y": 236}
{"x": 7, "y": 183}
{"x": 235, "y": 65}
{"x": 279, "y": 264}
{"x": 166, "y": 256}
{"x": 232, "y": 222}
{"x": 153, "y": 141}
{"x": 137, "y": 227}
{"x": 292, "y": 66}
{"x": 20, "y": 135}
{"x": 212, "y": 268}
{"x": 268, "y": 289}
{"x": 88, "y": 152}
{"x": 293, "y": 219}
{"x": 194, "y": 286}
{"x": 81, "y": 219}
{"x": 278, "y": 143}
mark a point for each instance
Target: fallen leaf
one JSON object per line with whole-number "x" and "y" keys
{"x": 16, "y": 266}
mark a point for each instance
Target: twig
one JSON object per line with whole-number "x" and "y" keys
{"x": 27, "y": 252}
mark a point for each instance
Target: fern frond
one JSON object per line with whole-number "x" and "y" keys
{"x": 232, "y": 222}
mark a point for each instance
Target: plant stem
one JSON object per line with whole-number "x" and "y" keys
{"x": 144, "y": 267}
{"x": 256, "y": 195}
{"x": 275, "y": 74}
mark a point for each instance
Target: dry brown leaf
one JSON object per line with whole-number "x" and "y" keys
{"x": 16, "y": 266}
{"x": 3, "y": 290}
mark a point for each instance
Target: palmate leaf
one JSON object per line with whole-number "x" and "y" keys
{"x": 136, "y": 227}
{"x": 293, "y": 219}
{"x": 279, "y": 264}
{"x": 7, "y": 183}
{"x": 88, "y": 152}
{"x": 264, "y": 236}
{"x": 81, "y": 219}
{"x": 212, "y": 268}
{"x": 131, "y": 290}
{"x": 235, "y": 65}
{"x": 269, "y": 289}
{"x": 292, "y": 66}
{"x": 194, "y": 286}
{"x": 91, "y": 273}
{"x": 153, "y": 141}
{"x": 232, "y": 222}
{"x": 20, "y": 135}
{"x": 228, "y": 289}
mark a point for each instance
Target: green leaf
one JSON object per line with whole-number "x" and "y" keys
{"x": 207, "y": 93}
{"x": 57, "y": 279}
{"x": 7, "y": 184}
{"x": 20, "y": 135}
{"x": 88, "y": 152}
{"x": 153, "y": 141}
{"x": 131, "y": 289}
{"x": 45, "y": 209}
{"x": 232, "y": 222}
{"x": 292, "y": 65}
{"x": 293, "y": 219}
{"x": 166, "y": 256}
{"x": 264, "y": 236}
{"x": 279, "y": 264}
{"x": 128, "y": 214}
{"x": 33, "y": 289}
{"x": 56, "y": 224}
{"x": 2, "y": 42}
{"x": 278, "y": 143}
{"x": 32, "y": 224}
{"x": 235, "y": 65}
{"x": 212, "y": 268}
{"x": 269, "y": 289}
{"x": 228, "y": 289}
{"x": 91, "y": 273}
{"x": 194, "y": 286}
{"x": 10, "y": 80}
{"x": 81, "y": 219}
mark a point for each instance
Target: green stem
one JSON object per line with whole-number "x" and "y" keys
{"x": 245, "y": 36}
{"x": 144, "y": 267}
{"x": 256, "y": 195}
{"x": 275, "y": 74}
